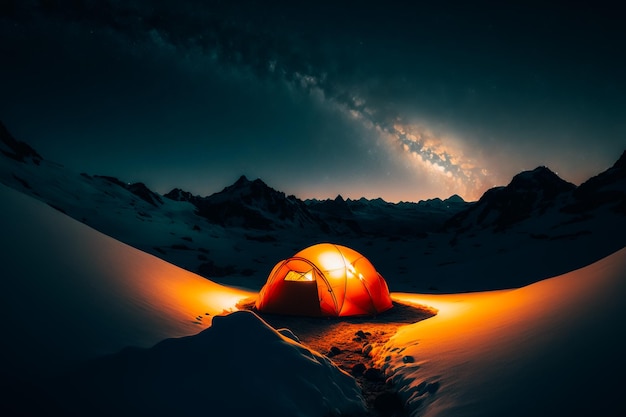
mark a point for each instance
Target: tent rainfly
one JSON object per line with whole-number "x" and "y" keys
{"x": 324, "y": 280}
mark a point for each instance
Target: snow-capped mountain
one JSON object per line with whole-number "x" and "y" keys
{"x": 545, "y": 206}
{"x": 14, "y": 149}
{"x": 83, "y": 311}
{"x": 138, "y": 188}
{"x": 377, "y": 217}
{"x": 530, "y": 193}
{"x": 206, "y": 235}
{"x": 251, "y": 205}
{"x": 237, "y": 235}
{"x": 605, "y": 189}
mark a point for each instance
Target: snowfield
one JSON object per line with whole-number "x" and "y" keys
{"x": 555, "y": 347}
{"x": 239, "y": 366}
{"x": 72, "y": 295}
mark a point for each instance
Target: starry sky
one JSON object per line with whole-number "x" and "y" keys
{"x": 362, "y": 99}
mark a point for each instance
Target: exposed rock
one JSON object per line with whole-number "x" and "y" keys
{"x": 388, "y": 403}
{"x": 20, "y": 151}
{"x": 358, "y": 369}
{"x": 139, "y": 189}
{"x": 528, "y": 193}
{"x": 373, "y": 374}
{"x": 606, "y": 188}
{"x": 334, "y": 350}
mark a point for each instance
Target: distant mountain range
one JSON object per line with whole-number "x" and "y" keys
{"x": 236, "y": 235}
{"x": 251, "y": 205}
{"x": 539, "y": 193}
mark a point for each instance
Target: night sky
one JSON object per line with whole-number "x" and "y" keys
{"x": 373, "y": 99}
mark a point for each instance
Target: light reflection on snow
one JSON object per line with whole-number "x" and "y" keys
{"x": 490, "y": 352}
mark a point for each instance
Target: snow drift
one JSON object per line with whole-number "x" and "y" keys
{"x": 73, "y": 295}
{"x": 240, "y": 366}
{"x": 555, "y": 347}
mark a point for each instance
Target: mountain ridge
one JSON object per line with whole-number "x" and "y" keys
{"x": 251, "y": 204}
{"x": 235, "y": 235}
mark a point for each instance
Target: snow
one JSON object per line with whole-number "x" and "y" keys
{"x": 239, "y": 366}
{"x": 82, "y": 294}
{"x": 73, "y": 294}
{"x": 440, "y": 261}
{"x": 171, "y": 231}
{"x": 551, "y": 348}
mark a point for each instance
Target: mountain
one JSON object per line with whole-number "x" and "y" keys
{"x": 19, "y": 151}
{"x": 139, "y": 189}
{"x": 540, "y": 223}
{"x": 96, "y": 327}
{"x": 530, "y": 193}
{"x": 251, "y": 205}
{"x": 541, "y": 194}
{"x": 605, "y": 189}
{"x": 336, "y": 212}
{"x": 378, "y": 217}
{"x": 235, "y": 235}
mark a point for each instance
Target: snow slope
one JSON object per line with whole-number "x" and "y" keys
{"x": 246, "y": 228}
{"x": 238, "y": 367}
{"x": 555, "y": 347}
{"x": 71, "y": 295}
{"x": 81, "y": 294}
{"x": 170, "y": 230}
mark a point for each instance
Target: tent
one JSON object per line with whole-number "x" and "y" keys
{"x": 324, "y": 280}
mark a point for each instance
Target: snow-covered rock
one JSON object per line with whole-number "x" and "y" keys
{"x": 530, "y": 193}
{"x": 255, "y": 205}
{"x": 14, "y": 149}
{"x": 606, "y": 188}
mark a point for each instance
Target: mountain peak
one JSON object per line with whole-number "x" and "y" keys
{"x": 608, "y": 187}
{"x": 178, "y": 194}
{"x": 539, "y": 175}
{"x": 241, "y": 181}
{"x": 529, "y": 193}
{"x": 138, "y": 188}
{"x": 17, "y": 150}
{"x": 621, "y": 162}
{"x": 244, "y": 183}
{"x": 455, "y": 198}
{"x": 540, "y": 178}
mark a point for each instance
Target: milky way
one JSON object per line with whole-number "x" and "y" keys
{"x": 394, "y": 100}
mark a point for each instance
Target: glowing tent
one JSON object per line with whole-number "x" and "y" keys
{"x": 324, "y": 280}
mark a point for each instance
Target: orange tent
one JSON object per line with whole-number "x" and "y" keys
{"x": 325, "y": 280}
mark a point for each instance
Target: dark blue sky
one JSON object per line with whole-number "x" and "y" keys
{"x": 319, "y": 99}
